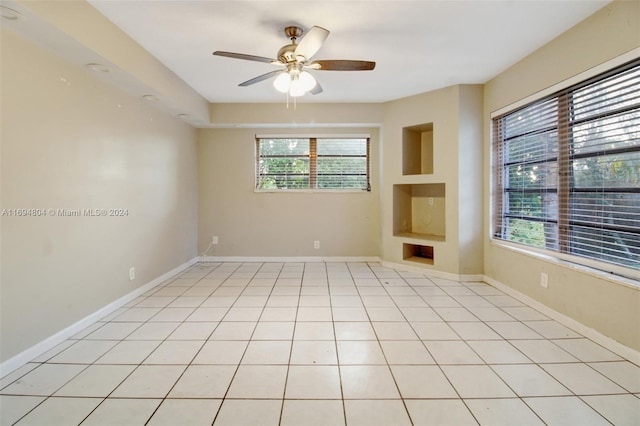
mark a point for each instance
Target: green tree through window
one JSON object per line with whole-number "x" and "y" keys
{"x": 312, "y": 163}
{"x": 568, "y": 170}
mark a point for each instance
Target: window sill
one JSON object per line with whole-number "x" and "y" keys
{"x": 626, "y": 281}
{"x": 312, "y": 191}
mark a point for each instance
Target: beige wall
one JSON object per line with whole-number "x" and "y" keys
{"x": 608, "y": 307}
{"x": 470, "y": 214}
{"x": 251, "y": 223}
{"x": 70, "y": 141}
{"x": 456, "y": 114}
{"x": 300, "y": 115}
{"x": 439, "y": 107}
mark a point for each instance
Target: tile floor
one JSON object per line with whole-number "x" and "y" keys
{"x": 323, "y": 344}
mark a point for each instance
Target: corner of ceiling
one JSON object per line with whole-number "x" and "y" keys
{"x": 80, "y": 34}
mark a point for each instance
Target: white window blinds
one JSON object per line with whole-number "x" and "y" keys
{"x": 312, "y": 163}
{"x": 283, "y": 164}
{"x": 567, "y": 170}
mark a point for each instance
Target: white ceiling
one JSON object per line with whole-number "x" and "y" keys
{"x": 418, "y": 45}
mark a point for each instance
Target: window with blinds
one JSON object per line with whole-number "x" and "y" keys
{"x": 312, "y": 163}
{"x": 567, "y": 171}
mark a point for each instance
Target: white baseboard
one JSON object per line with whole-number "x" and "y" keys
{"x": 613, "y": 345}
{"x": 434, "y": 273}
{"x": 289, "y": 259}
{"x": 50, "y": 342}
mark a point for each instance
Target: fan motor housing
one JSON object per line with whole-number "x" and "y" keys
{"x": 286, "y": 54}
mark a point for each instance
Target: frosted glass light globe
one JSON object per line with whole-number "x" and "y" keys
{"x": 282, "y": 82}
{"x": 296, "y": 88}
{"x": 307, "y": 81}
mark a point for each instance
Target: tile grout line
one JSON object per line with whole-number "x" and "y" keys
{"x": 492, "y": 367}
{"x": 293, "y": 335}
{"x": 136, "y": 365}
{"x": 395, "y": 382}
{"x": 192, "y": 358}
{"x": 335, "y": 340}
{"x": 224, "y": 397}
{"x": 45, "y": 362}
{"x": 142, "y": 362}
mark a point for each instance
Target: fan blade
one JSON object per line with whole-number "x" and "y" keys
{"x": 245, "y": 57}
{"x": 260, "y": 78}
{"x": 311, "y": 42}
{"x": 316, "y": 89}
{"x": 342, "y": 65}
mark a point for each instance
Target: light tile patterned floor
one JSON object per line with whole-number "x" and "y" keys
{"x": 323, "y": 344}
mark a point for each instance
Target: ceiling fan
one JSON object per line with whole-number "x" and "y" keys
{"x": 295, "y": 57}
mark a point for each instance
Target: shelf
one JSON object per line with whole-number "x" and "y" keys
{"x": 417, "y": 149}
{"x": 419, "y": 211}
{"x": 417, "y": 253}
{"x": 426, "y": 237}
{"x": 417, "y": 179}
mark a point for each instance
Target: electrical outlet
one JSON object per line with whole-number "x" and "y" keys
{"x": 316, "y": 244}
{"x": 430, "y": 201}
{"x": 214, "y": 239}
{"x": 544, "y": 280}
{"x": 132, "y": 273}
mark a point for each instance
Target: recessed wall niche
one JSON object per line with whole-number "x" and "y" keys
{"x": 417, "y": 253}
{"x": 417, "y": 149}
{"x": 419, "y": 211}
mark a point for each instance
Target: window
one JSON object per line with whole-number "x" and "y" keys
{"x": 567, "y": 175}
{"x": 312, "y": 163}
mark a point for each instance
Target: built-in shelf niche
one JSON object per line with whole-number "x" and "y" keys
{"x": 419, "y": 211}
{"x": 417, "y": 149}
{"x": 417, "y": 253}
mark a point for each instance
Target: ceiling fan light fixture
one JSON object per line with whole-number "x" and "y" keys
{"x": 307, "y": 81}
{"x": 292, "y": 79}
{"x": 297, "y": 88}
{"x": 282, "y": 82}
